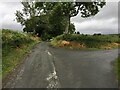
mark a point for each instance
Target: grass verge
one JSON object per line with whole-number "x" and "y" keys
{"x": 90, "y": 42}
{"x": 15, "y": 46}
{"x": 117, "y": 69}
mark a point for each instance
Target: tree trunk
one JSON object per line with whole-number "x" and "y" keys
{"x": 67, "y": 25}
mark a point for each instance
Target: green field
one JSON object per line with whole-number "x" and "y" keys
{"x": 15, "y": 45}
{"x": 88, "y": 41}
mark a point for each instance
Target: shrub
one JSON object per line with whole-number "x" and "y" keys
{"x": 14, "y": 39}
{"x": 14, "y": 47}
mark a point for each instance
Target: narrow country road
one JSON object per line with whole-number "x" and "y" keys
{"x": 48, "y": 67}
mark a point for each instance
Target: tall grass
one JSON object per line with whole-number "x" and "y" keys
{"x": 90, "y": 41}
{"x": 117, "y": 68}
{"x": 14, "y": 47}
{"x": 0, "y": 55}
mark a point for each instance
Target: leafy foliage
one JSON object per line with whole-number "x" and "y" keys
{"x": 14, "y": 46}
{"x": 72, "y": 28}
{"x": 53, "y": 18}
{"x": 14, "y": 39}
{"x": 37, "y": 25}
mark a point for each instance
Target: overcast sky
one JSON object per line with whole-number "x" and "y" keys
{"x": 105, "y": 22}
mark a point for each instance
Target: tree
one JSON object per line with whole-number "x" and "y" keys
{"x": 28, "y": 12}
{"x": 38, "y": 25}
{"x": 20, "y": 18}
{"x": 53, "y": 18}
{"x": 78, "y": 32}
{"x": 72, "y": 28}
{"x": 57, "y": 21}
{"x": 32, "y": 19}
{"x": 71, "y": 9}
{"x": 86, "y": 9}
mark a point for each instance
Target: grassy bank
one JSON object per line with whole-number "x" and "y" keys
{"x": 15, "y": 45}
{"x": 0, "y": 55}
{"x": 117, "y": 68}
{"x": 75, "y": 41}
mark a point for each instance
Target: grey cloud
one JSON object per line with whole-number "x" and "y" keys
{"x": 102, "y": 31}
{"x": 106, "y": 21}
{"x": 110, "y": 10}
{"x": 119, "y": 17}
{"x": 7, "y": 15}
{"x": 83, "y": 25}
{"x": 12, "y": 26}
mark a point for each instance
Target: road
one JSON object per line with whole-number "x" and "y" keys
{"x": 48, "y": 67}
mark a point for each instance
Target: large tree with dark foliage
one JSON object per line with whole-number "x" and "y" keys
{"x": 58, "y": 15}
{"x": 71, "y": 9}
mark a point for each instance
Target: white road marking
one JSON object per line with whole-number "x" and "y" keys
{"x": 49, "y": 53}
{"x": 53, "y": 78}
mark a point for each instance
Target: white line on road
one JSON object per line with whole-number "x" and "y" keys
{"x": 52, "y": 77}
{"x": 49, "y": 53}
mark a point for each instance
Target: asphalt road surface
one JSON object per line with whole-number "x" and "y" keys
{"x": 48, "y": 67}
